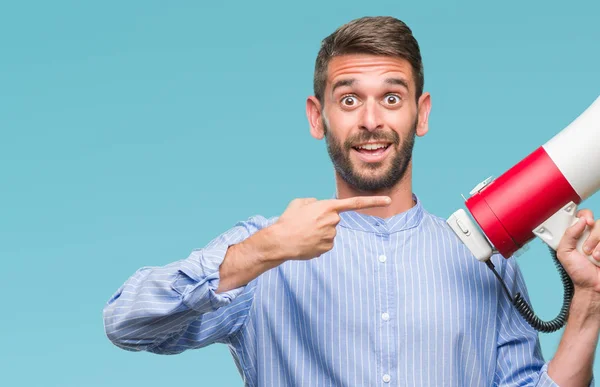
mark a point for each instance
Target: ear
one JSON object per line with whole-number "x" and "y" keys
{"x": 424, "y": 107}
{"x": 315, "y": 119}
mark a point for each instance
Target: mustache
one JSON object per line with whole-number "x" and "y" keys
{"x": 391, "y": 137}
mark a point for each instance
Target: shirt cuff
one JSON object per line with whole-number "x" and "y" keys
{"x": 546, "y": 380}
{"x": 198, "y": 278}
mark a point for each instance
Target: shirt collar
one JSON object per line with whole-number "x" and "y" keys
{"x": 399, "y": 222}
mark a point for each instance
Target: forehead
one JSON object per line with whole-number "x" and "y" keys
{"x": 368, "y": 66}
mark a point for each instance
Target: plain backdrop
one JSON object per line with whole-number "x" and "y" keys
{"x": 133, "y": 132}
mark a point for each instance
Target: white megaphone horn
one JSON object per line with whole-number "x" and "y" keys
{"x": 536, "y": 197}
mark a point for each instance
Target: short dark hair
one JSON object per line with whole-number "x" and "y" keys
{"x": 374, "y": 35}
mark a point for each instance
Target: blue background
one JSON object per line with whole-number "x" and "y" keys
{"x": 134, "y": 132}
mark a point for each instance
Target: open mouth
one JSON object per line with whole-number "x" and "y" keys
{"x": 372, "y": 152}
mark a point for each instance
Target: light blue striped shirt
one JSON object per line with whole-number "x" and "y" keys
{"x": 397, "y": 302}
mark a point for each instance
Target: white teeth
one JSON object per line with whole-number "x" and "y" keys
{"x": 372, "y": 146}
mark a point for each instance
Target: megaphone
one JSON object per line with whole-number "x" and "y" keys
{"x": 538, "y": 196}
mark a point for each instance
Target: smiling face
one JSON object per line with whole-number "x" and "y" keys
{"x": 369, "y": 116}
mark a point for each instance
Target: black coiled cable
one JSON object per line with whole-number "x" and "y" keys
{"x": 525, "y": 310}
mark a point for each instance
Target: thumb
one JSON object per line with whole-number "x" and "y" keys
{"x": 306, "y": 201}
{"x": 300, "y": 202}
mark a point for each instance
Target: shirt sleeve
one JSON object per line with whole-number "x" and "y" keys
{"x": 520, "y": 361}
{"x": 170, "y": 309}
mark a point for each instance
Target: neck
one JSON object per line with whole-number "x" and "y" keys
{"x": 401, "y": 195}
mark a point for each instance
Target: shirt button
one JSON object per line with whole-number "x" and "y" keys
{"x": 382, "y": 258}
{"x": 386, "y": 378}
{"x": 385, "y": 316}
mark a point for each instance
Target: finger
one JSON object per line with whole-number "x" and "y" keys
{"x": 359, "y": 202}
{"x": 588, "y": 214}
{"x": 573, "y": 234}
{"x": 592, "y": 240}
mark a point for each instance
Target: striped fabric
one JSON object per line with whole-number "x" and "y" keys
{"x": 397, "y": 302}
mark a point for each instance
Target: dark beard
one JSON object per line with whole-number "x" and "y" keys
{"x": 340, "y": 156}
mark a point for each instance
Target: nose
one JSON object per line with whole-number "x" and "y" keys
{"x": 371, "y": 117}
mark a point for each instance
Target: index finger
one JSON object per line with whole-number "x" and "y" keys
{"x": 587, "y": 214}
{"x": 359, "y": 202}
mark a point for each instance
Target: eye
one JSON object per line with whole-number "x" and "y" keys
{"x": 349, "y": 101}
{"x": 392, "y": 99}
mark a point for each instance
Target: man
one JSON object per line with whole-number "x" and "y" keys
{"x": 366, "y": 288}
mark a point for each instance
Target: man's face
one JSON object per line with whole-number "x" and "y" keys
{"x": 369, "y": 118}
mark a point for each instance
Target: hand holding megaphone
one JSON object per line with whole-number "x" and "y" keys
{"x": 584, "y": 232}
{"x": 562, "y": 224}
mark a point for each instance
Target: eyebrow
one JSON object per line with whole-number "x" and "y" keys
{"x": 397, "y": 81}
{"x": 341, "y": 83}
